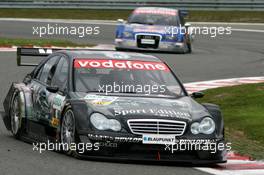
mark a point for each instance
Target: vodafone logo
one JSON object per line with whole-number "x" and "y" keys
{"x": 120, "y": 64}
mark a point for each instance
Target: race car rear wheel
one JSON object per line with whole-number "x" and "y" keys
{"x": 68, "y": 133}
{"x": 15, "y": 115}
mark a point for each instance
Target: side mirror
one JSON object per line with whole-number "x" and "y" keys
{"x": 120, "y": 21}
{"x": 53, "y": 89}
{"x": 197, "y": 94}
{"x": 190, "y": 31}
{"x": 187, "y": 25}
{"x": 27, "y": 79}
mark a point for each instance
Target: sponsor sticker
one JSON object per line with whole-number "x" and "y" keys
{"x": 58, "y": 102}
{"x": 55, "y": 121}
{"x": 147, "y": 41}
{"x": 154, "y": 111}
{"x": 156, "y": 11}
{"x": 120, "y": 64}
{"x": 115, "y": 139}
{"x": 158, "y": 139}
{"x": 100, "y": 100}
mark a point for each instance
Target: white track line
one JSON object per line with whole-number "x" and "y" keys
{"x": 231, "y": 172}
{"x": 112, "y": 22}
{"x": 64, "y": 21}
{"x": 8, "y": 49}
{"x": 248, "y": 30}
{"x": 203, "y": 85}
{"x": 229, "y": 23}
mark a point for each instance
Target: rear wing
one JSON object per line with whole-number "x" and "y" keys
{"x": 37, "y": 52}
{"x": 43, "y": 52}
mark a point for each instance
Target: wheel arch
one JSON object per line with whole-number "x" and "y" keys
{"x": 24, "y": 97}
{"x": 216, "y": 113}
{"x": 79, "y": 109}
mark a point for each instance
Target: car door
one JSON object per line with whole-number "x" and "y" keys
{"x": 41, "y": 96}
{"x": 59, "y": 82}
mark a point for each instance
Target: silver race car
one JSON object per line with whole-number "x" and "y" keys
{"x": 154, "y": 29}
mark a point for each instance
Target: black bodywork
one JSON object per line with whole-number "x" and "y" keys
{"x": 42, "y": 115}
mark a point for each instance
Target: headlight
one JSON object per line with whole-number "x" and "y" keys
{"x": 100, "y": 122}
{"x": 206, "y": 126}
{"x": 127, "y": 34}
{"x": 195, "y": 128}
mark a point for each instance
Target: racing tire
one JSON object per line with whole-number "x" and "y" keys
{"x": 187, "y": 45}
{"x": 120, "y": 49}
{"x": 189, "y": 48}
{"x": 15, "y": 115}
{"x": 186, "y": 48}
{"x": 68, "y": 134}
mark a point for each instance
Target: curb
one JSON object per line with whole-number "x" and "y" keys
{"x": 236, "y": 164}
{"x": 204, "y": 85}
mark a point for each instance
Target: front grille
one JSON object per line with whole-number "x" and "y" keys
{"x": 156, "y": 126}
{"x": 155, "y": 45}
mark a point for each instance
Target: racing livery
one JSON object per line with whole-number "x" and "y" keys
{"x": 128, "y": 106}
{"x": 154, "y": 29}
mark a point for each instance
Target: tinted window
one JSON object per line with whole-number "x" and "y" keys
{"x": 38, "y": 74}
{"x": 61, "y": 75}
{"x": 136, "y": 77}
{"x": 151, "y": 17}
{"x": 48, "y": 70}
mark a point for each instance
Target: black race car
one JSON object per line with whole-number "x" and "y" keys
{"x": 112, "y": 105}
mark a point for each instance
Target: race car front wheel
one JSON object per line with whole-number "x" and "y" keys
{"x": 188, "y": 45}
{"x": 189, "y": 48}
{"x": 68, "y": 133}
{"x": 15, "y": 115}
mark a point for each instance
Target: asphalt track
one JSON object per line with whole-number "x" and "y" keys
{"x": 238, "y": 55}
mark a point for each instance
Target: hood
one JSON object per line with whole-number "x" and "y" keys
{"x": 135, "y": 107}
{"x": 141, "y": 28}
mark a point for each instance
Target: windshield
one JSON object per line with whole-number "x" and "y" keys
{"x": 154, "y": 17}
{"x": 121, "y": 76}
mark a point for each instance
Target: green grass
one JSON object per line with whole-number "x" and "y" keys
{"x": 243, "y": 110}
{"x": 40, "y": 42}
{"x": 226, "y": 16}
{"x": 65, "y": 13}
{"x": 208, "y": 16}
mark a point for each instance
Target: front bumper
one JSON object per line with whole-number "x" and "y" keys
{"x": 130, "y": 147}
{"x": 163, "y": 46}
